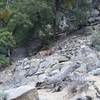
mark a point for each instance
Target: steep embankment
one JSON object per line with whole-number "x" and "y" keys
{"x": 69, "y": 66}
{"x": 43, "y": 62}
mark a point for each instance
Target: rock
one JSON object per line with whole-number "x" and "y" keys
{"x": 98, "y": 63}
{"x": 2, "y": 95}
{"x": 98, "y": 54}
{"x": 35, "y": 62}
{"x": 54, "y": 72}
{"x": 70, "y": 65}
{"x": 82, "y": 69}
{"x": 94, "y": 87}
{"x": 68, "y": 68}
{"x": 94, "y": 12}
{"x": 19, "y": 63}
{"x": 41, "y": 78}
{"x": 47, "y": 63}
{"x": 60, "y": 58}
{"x": 34, "y": 67}
{"x": 26, "y": 62}
{"x": 95, "y": 72}
{"x": 42, "y": 97}
{"x": 84, "y": 98}
{"x": 88, "y": 94}
{"x": 27, "y": 66}
{"x": 55, "y": 68}
{"x": 27, "y": 92}
{"x": 85, "y": 50}
{"x": 87, "y": 56}
{"x": 22, "y": 64}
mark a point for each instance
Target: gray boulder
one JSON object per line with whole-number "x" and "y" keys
{"x": 27, "y": 92}
{"x": 2, "y": 95}
{"x": 95, "y": 72}
{"x": 68, "y": 68}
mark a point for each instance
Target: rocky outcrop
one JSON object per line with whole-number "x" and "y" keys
{"x": 27, "y": 92}
{"x": 59, "y": 70}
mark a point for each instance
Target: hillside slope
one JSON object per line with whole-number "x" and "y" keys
{"x": 69, "y": 65}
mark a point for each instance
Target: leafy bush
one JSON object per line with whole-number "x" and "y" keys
{"x": 4, "y": 61}
{"x": 7, "y": 43}
{"x": 6, "y": 40}
{"x": 5, "y": 15}
{"x": 30, "y": 19}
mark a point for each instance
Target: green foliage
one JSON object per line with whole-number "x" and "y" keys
{"x": 7, "y": 40}
{"x": 69, "y": 3}
{"x": 5, "y": 15}
{"x": 20, "y": 25}
{"x": 28, "y": 20}
{"x": 82, "y": 11}
{"x": 22, "y": 21}
{"x": 2, "y": 4}
{"x": 77, "y": 16}
{"x": 4, "y": 61}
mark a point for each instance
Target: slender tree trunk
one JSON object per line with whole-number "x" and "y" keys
{"x": 9, "y": 55}
{"x": 56, "y": 6}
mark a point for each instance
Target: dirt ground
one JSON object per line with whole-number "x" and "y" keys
{"x": 45, "y": 95}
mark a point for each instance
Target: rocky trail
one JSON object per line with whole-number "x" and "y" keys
{"x": 71, "y": 72}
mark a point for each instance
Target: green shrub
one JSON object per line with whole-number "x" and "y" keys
{"x": 29, "y": 20}
{"x": 4, "y": 61}
{"x": 7, "y": 43}
{"x": 7, "y": 40}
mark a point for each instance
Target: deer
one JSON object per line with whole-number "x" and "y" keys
{"x": 45, "y": 53}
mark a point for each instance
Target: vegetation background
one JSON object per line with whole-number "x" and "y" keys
{"x": 22, "y": 21}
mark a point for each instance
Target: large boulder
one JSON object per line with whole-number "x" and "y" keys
{"x": 2, "y": 95}
{"x": 67, "y": 68}
{"x": 91, "y": 93}
{"x": 88, "y": 58}
{"x": 27, "y": 92}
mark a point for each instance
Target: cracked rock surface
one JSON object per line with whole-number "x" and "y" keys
{"x": 74, "y": 66}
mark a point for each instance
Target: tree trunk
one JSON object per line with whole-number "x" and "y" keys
{"x": 56, "y": 6}
{"x": 9, "y": 55}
